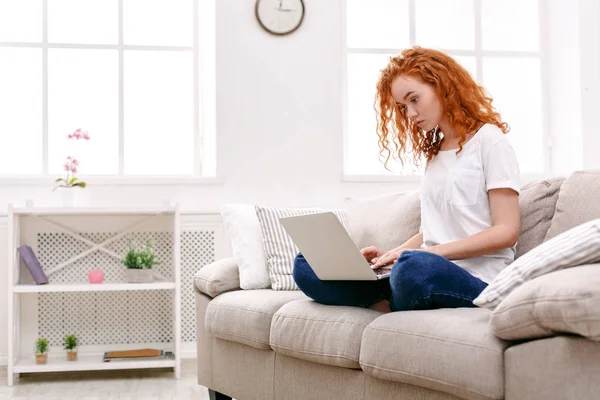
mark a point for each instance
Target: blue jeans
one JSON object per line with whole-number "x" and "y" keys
{"x": 419, "y": 281}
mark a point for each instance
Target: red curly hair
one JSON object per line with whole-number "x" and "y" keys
{"x": 464, "y": 103}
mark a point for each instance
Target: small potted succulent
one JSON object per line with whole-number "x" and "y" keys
{"x": 41, "y": 351}
{"x": 70, "y": 344}
{"x": 139, "y": 264}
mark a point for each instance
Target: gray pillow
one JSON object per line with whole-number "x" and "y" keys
{"x": 385, "y": 221}
{"x": 537, "y": 202}
{"x": 577, "y": 202}
{"x": 565, "y": 301}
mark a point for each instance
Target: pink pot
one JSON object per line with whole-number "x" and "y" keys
{"x": 96, "y": 276}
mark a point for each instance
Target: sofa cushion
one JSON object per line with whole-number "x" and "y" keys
{"x": 577, "y": 246}
{"x": 244, "y": 316}
{"x": 385, "y": 221}
{"x": 577, "y": 202}
{"x": 323, "y": 334}
{"x": 450, "y": 350}
{"x": 537, "y": 202}
{"x": 566, "y": 301}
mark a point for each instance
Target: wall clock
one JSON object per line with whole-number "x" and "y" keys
{"x": 280, "y": 17}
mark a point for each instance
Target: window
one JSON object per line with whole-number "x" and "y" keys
{"x": 138, "y": 75}
{"x": 498, "y": 42}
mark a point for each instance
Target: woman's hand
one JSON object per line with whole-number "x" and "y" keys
{"x": 387, "y": 258}
{"x": 371, "y": 252}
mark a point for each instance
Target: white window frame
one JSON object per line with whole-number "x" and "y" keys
{"x": 203, "y": 122}
{"x": 479, "y": 54}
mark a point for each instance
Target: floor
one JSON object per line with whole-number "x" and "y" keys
{"x": 123, "y": 385}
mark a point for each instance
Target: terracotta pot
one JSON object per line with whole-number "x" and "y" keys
{"x": 41, "y": 358}
{"x": 71, "y": 355}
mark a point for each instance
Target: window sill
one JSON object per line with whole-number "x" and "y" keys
{"x": 37, "y": 180}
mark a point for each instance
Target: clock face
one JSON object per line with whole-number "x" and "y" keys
{"x": 280, "y": 17}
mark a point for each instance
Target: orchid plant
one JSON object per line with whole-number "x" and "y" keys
{"x": 71, "y": 165}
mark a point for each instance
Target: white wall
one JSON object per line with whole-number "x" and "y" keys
{"x": 589, "y": 31}
{"x": 565, "y": 97}
{"x": 279, "y": 129}
{"x": 279, "y": 108}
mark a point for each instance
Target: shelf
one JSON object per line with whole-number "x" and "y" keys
{"x": 92, "y": 210}
{"x": 26, "y": 222}
{"x": 86, "y": 363}
{"x": 89, "y": 287}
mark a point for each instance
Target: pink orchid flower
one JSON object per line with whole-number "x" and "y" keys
{"x": 79, "y": 134}
{"x": 71, "y": 165}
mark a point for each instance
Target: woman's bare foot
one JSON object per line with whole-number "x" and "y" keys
{"x": 381, "y": 306}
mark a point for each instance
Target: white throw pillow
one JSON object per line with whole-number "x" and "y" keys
{"x": 577, "y": 246}
{"x": 279, "y": 249}
{"x": 243, "y": 227}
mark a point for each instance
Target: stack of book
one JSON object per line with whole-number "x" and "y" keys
{"x": 140, "y": 354}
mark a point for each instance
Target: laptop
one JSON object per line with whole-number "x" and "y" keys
{"x": 329, "y": 250}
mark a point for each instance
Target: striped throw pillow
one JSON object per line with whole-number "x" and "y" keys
{"x": 577, "y": 246}
{"x": 280, "y": 250}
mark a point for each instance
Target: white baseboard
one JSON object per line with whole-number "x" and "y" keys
{"x": 188, "y": 353}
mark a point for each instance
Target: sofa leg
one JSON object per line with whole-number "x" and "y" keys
{"x": 212, "y": 395}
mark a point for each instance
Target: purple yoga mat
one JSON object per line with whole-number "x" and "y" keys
{"x": 33, "y": 265}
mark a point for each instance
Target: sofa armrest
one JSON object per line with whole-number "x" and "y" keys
{"x": 219, "y": 277}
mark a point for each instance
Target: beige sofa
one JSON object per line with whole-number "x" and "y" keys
{"x": 280, "y": 345}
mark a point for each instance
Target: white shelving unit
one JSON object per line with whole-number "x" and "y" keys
{"x": 23, "y": 363}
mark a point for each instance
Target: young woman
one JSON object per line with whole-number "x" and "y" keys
{"x": 430, "y": 106}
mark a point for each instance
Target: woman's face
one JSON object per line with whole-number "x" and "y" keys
{"x": 418, "y": 100}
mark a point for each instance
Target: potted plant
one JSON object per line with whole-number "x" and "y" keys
{"x": 70, "y": 184}
{"x": 41, "y": 351}
{"x": 70, "y": 344}
{"x": 139, "y": 264}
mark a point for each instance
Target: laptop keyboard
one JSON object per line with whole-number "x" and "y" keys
{"x": 383, "y": 270}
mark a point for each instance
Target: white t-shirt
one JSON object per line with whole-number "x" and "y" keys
{"x": 454, "y": 198}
